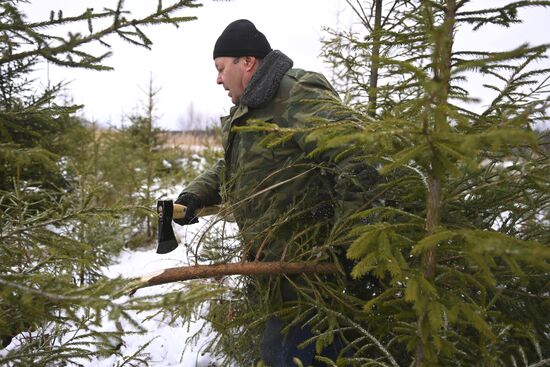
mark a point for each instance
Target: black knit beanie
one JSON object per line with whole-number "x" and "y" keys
{"x": 241, "y": 38}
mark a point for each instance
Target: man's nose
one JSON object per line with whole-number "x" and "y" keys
{"x": 219, "y": 79}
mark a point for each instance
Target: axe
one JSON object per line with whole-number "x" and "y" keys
{"x": 167, "y": 211}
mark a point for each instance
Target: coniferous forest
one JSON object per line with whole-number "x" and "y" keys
{"x": 445, "y": 263}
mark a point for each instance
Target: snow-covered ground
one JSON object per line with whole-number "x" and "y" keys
{"x": 163, "y": 344}
{"x": 170, "y": 345}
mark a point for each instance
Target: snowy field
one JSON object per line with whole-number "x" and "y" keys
{"x": 169, "y": 345}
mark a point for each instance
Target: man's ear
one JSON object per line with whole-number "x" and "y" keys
{"x": 249, "y": 62}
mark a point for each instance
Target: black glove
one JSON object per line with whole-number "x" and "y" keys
{"x": 192, "y": 203}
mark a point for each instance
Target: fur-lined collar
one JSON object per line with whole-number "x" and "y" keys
{"x": 265, "y": 82}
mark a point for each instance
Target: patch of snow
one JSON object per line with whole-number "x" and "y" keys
{"x": 500, "y": 220}
{"x": 169, "y": 344}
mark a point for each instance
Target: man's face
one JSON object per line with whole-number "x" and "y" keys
{"x": 232, "y": 75}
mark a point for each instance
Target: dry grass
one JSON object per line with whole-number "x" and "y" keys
{"x": 185, "y": 140}
{"x": 192, "y": 139}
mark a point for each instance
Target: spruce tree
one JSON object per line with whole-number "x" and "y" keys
{"x": 460, "y": 244}
{"x": 153, "y": 166}
{"x": 380, "y": 30}
{"x": 450, "y": 260}
{"x": 55, "y": 232}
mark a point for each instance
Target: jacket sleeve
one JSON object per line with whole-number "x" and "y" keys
{"x": 207, "y": 185}
{"x": 313, "y": 101}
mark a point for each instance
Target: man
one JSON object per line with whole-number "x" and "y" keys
{"x": 285, "y": 190}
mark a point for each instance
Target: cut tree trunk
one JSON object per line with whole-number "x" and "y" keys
{"x": 178, "y": 274}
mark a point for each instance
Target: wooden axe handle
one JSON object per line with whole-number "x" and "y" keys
{"x": 179, "y": 211}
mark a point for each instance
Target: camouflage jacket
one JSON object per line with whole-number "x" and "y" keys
{"x": 269, "y": 187}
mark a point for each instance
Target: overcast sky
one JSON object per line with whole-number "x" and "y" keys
{"x": 181, "y": 58}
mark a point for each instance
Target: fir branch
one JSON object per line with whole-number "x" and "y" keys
{"x": 387, "y": 354}
{"x": 541, "y": 363}
{"x": 117, "y": 27}
{"x": 504, "y": 16}
{"x": 489, "y": 60}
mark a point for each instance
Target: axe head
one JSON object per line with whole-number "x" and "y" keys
{"x": 166, "y": 239}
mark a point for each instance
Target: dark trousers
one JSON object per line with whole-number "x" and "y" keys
{"x": 278, "y": 349}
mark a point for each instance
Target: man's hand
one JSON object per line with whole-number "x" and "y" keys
{"x": 192, "y": 202}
